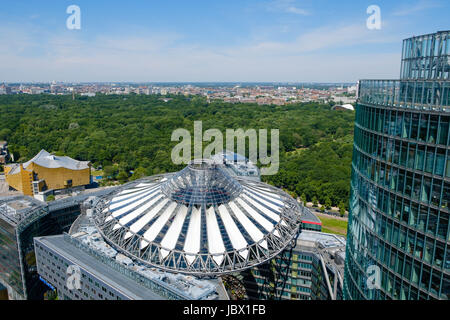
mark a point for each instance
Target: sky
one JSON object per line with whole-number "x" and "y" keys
{"x": 208, "y": 41}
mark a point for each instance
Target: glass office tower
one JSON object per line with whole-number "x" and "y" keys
{"x": 400, "y": 185}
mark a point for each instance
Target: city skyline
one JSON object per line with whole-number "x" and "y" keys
{"x": 245, "y": 41}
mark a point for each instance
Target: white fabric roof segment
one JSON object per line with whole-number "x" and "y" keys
{"x": 192, "y": 241}
{"x": 269, "y": 212}
{"x": 136, "y": 213}
{"x": 47, "y": 160}
{"x": 136, "y": 192}
{"x": 126, "y": 191}
{"x": 215, "y": 241}
{"x": 272, "y": 197}
{"x": 251, "y": 229}
{"x": 236, "y": 238}
{"x": 144, "y": 184}
{"x": 263, "y": 209}
{"x": 156, "y": 227}
{"x": 278, "y": 206}
{"x": 115, "y": 204}
{"x": 173, "y": 233}
{"x": 136, "y": 204}
{"x": 255, "y": 215}
{"x": 138, "y": 225}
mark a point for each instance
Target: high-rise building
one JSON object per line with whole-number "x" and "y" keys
{"x": 400, "y": 187}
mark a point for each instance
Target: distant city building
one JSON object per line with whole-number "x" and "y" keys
{"x": 47, "y": 172}
{"x": 344, "y": 107}
{"x": 261, "y": 95}
{"x": 400, "y": 185}
{"x": 4, "y": 89}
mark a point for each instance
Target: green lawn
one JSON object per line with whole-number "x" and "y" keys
{"x": 335, "y": 226}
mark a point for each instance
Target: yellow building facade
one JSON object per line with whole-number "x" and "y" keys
{"x": 48, "y": 172}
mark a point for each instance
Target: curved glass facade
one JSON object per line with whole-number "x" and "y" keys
{"x": 400, "y": 185}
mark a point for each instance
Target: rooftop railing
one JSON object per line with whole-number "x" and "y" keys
{"x": 416, "y": 94}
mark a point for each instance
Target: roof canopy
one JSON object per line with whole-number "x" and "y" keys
{"x": 199, "y": 221}
{"x": 47, "y": 160}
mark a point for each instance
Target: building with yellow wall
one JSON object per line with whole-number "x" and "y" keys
{"x": 47, "y": 172}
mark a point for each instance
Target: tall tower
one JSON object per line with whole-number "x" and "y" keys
{"x": 398, "y": 229}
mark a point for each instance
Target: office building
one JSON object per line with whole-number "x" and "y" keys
{"x": 400, "y": 185}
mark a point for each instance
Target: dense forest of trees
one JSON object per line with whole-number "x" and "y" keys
{"x": 133, "y": 133}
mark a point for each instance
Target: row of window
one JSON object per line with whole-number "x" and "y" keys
{"x": 421, "y": 95}
{"x": 412, "y": 215}
{"x": 430, "y": 128}
{"x": 377, "y": 238}
{"x": 426, "y": 57}
{"x": 430, "y": 160}
{"x": 59, "y": 277}
{"x": 392, "y": 286}
{"x": 415, "y": 186}
{"x": 409, "y": 244}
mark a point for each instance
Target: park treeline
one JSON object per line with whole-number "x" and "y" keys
{"x": 129, "y": 136}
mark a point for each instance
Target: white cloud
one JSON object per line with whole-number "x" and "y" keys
{"x": 161, "y": 57}
{"x": 297, "y": 11}
{"x": 287, "y": 6}
{"x": 421, "y": 5}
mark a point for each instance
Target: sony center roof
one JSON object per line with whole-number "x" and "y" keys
{"x": 199, "y": 221}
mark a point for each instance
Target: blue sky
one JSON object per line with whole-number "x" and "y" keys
{"x": 215, "y": 40}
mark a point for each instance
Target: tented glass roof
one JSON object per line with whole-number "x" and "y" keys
{"x": 199, "y": 221}
{"x": 202, "y": 183}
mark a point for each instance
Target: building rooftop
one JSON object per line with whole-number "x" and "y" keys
{"x": 237, "y": 165}
{"x": 15, "y": 209}
{"x": 325, "y": 240}
{"x": 199, "y": 221}
{"x": 309, "y": 217}
{"x": 133, "y": 290}
{"x": 345, "y": 106}
{"x": 331, "y": 247}
{"x": 47, "y": 160}
{"x": 85, "y": 231}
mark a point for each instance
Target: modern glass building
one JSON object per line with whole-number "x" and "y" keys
{"x": 400, "y": 185}
{"x": 21, "y": 219}
{"x": 312, "y": 269}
